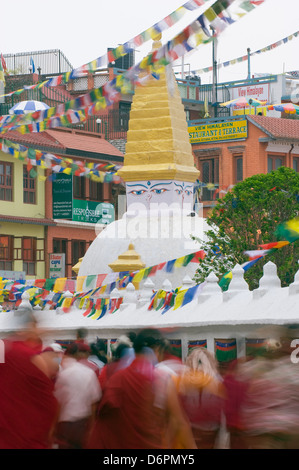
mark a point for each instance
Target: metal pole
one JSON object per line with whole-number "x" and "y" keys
{"x": 248, "y": 60}
{"x": 183, "y": 66}
{"x": 214, "y": 49}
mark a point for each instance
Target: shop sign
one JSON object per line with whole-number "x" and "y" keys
{"x": 93, "y": 212}
{"x": 62, "y": 190}
{"x": 57, "y": 265}
{"x": 258, "y": 92}
{"x": 218, "y": 131}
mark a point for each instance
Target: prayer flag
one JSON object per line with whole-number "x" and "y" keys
{"x": 32, "y": 65}
{"x": 4, "y": 65}
{"x": 289, "y": 230}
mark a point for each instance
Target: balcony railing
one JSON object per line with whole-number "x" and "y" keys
{"x": 113, "y": 125}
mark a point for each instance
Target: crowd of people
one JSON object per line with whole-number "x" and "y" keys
{"x": 144, "y": 396}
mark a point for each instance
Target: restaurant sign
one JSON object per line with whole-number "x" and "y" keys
{"x": 57, "y": 265}
{"x": 218, "y": 131}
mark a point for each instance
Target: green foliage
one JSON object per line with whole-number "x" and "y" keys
{"x": 248, "y": 217}
{"x": 219, "y": 256}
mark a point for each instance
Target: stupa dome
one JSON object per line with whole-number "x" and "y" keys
{"x": 156, "y": 239}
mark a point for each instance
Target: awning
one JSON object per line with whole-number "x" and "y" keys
{"x": 279, "y": 147}
{"x": 26, "y": 220}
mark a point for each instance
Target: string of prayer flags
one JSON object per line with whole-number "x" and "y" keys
{"x": 113, "y": 54}
{"x": 245, "y": 57}
{"x": 105, "y": 172}
{"x": 193, "y": 35}
{"x": 88, "y": 289}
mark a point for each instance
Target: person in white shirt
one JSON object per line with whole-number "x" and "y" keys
{"x": 78, "y": 392}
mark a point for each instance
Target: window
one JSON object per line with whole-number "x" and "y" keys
{"x": 79, "y": 187}
{"x": 78, "y": 250}
{"x": 29, "y": 255}
{"x": 29, "y": 187}
{"x": 6, "y": 181}
{"x": 209, "y": 172}
{"x": 60, "y": 246}
{"x": 124, "y": 115}
{"x": 296, "y": 163}
{"x": 95, "y": 191}
{"x": 238, "y": 161}
{"x": 6, "y": 252}
{"x": 274, "y": 162}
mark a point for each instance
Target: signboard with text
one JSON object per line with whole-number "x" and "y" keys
{"x": 218, "y": 131}
{"x": 258, "y": 92}
{"x": 93, "y": 212}
{"x": 57, "y": 265}
{"x": 62, "y": 190}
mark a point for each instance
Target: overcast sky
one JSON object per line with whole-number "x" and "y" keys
{"x": 83, "y": 30}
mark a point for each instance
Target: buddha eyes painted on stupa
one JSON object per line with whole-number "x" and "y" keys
{"x": 140, "y": 189}
{"x": 181, "y": 188}
{"x": 137, "y": 193}
{"x": 149, "y": 193}
{"x": 159, "y": 191}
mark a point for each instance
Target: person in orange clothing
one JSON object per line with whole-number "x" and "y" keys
{"x": 201, "y": 393}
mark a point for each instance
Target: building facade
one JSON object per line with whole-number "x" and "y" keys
{"x": 47, "y": 214}
{"x": 228, "y": 150}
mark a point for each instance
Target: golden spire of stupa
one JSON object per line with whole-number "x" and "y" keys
{"x": 128, "y": 261}
{"x": 158, "y": 146}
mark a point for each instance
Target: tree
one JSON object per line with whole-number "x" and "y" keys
{"x": 246, "y": 218}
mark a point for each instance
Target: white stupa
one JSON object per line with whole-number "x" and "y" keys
{"x": 159, "y": 173}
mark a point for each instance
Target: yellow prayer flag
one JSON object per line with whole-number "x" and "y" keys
{"x": 100, "y": 104}
{"x": 42, "y": 178}
{"x": 67, "y": 302}
{"x": 67, "y": 171}
{"x": 144, "y": 63}
{"x": 293, "y": 225}
{"x": 60, "y": 284}
{"x": 179, "y": 299}
{"x": 79, "y": 283}
{"x": 22, "y": 129}
{"x": 102, "y": 290}
{"x": 210, "y": 14}
{"x": 31, "y": 291}
{"x": 179, "y": 262}
{"x": 139, "y": 276}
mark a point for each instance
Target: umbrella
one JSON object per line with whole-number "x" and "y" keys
{"x": 25, "y": 107}
{"x": 290, "y": 108}
{"x": 243, "y": 102}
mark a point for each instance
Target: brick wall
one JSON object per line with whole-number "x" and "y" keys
{"x": 254, "y": 158}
